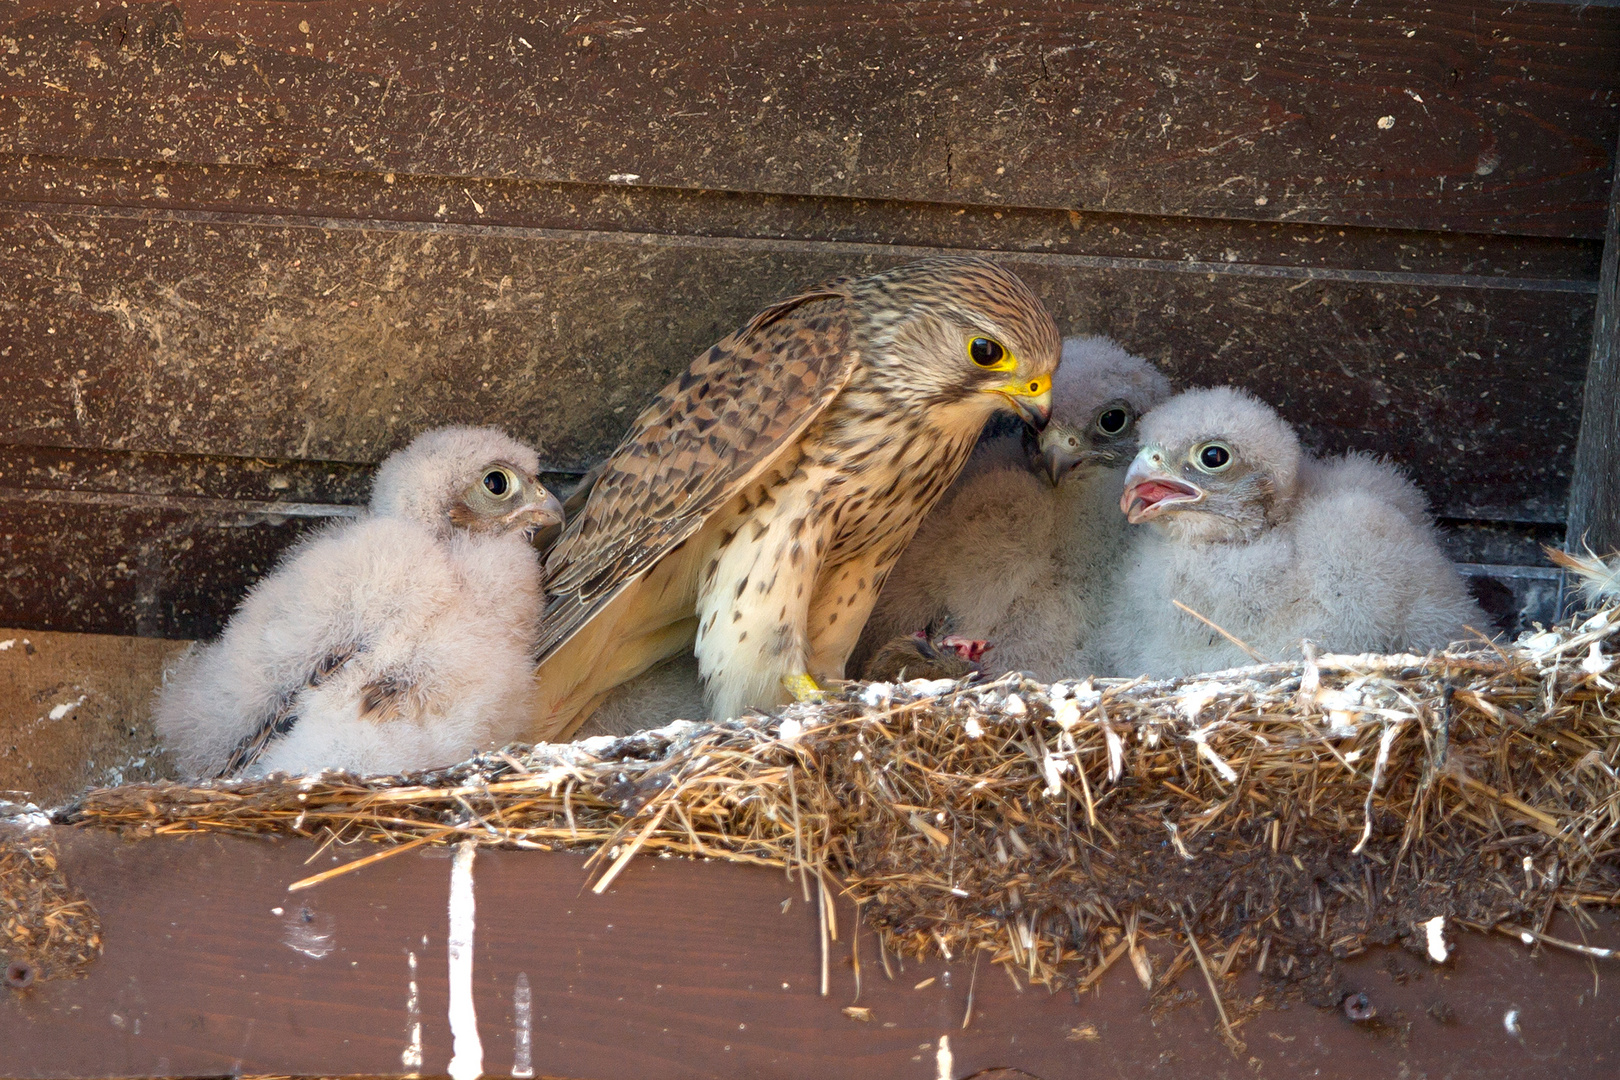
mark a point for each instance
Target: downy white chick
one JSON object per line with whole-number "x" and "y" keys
{"x": 1273, "y": 547}
{"x": 1020, "y": 551}
{"x": 398, "y": 641}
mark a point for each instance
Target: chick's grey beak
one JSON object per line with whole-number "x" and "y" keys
{"x": 1058, "y": 459}
{"x": 1151, "y": 489}
{"x": 543, "y": 511}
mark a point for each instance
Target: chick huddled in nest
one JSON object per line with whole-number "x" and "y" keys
{"x": 1246, "y": 545}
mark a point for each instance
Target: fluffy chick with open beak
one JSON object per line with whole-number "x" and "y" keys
{"x": 401, "y": 640}
{"x": 1021, "y": 551}
{"x": 1271, "y": 546}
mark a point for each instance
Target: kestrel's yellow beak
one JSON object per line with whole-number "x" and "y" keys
{"x": 1030, "y": 398}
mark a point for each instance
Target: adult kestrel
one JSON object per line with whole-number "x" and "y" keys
{"x": 755, "y": 506}
{"x": 402, "y": 640}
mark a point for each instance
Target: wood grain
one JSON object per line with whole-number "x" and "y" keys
{"x": 1594, "y": 497}
{"x": 682, "y": 970}
{"x": 287, "y": 340}
{"x": 1481, "y": 115}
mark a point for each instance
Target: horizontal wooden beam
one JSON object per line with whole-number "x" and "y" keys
{"x": 680, "y": 970}
{"x": 252, "y": 338}
{"x": 1481, "y": 115}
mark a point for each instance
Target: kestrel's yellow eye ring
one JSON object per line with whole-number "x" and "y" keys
{"x": 500, "y": 482}
{"x": 986, "y": 352}
{"x": 1212, "y": 457}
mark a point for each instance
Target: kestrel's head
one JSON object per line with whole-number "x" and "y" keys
{"x": 1098, "y": 395}
{"x": 1214, "y": 465}
{"x": 960, "y": 336}
{"x": 479, "y": 480}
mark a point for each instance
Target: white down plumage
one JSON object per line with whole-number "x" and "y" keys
{"x": 398, "y": 641}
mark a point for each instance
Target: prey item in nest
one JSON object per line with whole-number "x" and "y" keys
{"x": 48, "y": 930}
{"x": 934, "y": 653}
{"x": 1283, "y": 816}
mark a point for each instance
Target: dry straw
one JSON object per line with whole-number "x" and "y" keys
{"x": 1279, "y": 816}
{"x": 48, "y": 930}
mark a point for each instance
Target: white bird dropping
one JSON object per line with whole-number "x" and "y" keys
{"x": 1435, "y": 929}
{"x": 467, "y": 1049}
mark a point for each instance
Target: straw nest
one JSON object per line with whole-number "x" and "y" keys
{"x": 1278, "y": 817}
{"x": 48, "y": 930}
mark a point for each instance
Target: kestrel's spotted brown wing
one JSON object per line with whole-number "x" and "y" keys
{"x": 701, "y": 441}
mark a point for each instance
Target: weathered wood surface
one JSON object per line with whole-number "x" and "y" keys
{"x": 1594, "y": 504}
{"x": 240, "y": 338}
{"x": 234, "y": 272}
{"x": 1464, "y": 114}
{"x": 75, "y": 712}
{"x": 682, "y": 970}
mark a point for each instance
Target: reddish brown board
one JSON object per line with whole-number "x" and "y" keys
{"x": 1482, "y": 115}
{"x": 682, "y": 970}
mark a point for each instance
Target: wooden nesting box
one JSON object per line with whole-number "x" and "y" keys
{"x": 248, "y": 249}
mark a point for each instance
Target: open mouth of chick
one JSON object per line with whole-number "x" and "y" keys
{"x": 1153, "y": 497}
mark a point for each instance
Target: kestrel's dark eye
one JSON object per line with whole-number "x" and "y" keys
{"x": 1213, "y": 457}
{"x": 499, "y": 483}
{"x": 985, "y": 353}
{"x": 1113, "y": 421}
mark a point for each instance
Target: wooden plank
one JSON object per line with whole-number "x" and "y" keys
{"x": 75, "y": 712}
{"x": 1594, "y": 497}
{"x": 152, "y": 571}
{"x": 290, "y": 339}
{"x": 1288, "y": 247}
{"x": 681, "y": 970}
{"x": 1484, "y": 115}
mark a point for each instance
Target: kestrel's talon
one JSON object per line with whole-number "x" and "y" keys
{"x": 803, "y": 687}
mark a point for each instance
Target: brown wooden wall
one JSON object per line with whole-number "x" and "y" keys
{"x": 246, "y": 249}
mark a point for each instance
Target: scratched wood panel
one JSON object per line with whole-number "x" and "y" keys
{"x": 1483, "y": 115}
{"x": 306, "y": 341}
{"x": 1594, "y": 505}
{"x": 682, "y": 970}
{"x": 264, "y": 192}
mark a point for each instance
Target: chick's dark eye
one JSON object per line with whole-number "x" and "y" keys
{"x": 1113, "y": 421}
{"x": 497, "y": 483}
{"x": 1214, "y": 456}
{"x": 985, "y": 352}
